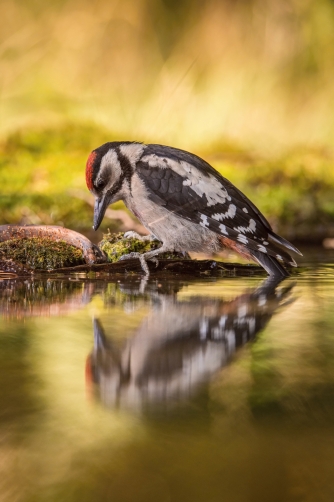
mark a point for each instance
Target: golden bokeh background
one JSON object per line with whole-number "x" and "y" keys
{"x": 184, "y": 72}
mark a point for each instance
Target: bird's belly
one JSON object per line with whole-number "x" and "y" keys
{"x": 177, "y": 233}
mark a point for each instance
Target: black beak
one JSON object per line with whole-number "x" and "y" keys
{"x": 99, "y": 210}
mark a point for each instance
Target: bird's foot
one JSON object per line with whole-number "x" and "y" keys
{"x": 134, "y": 235}
{"x": 140, "y": 258}
{"x": 155, "y": 260}
{"x": 129, "y": 256}
{"x": 143, "y": 284}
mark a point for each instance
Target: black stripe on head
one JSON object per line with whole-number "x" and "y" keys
{"x": 127, "y": 169}
{"x": 95, "y": 159}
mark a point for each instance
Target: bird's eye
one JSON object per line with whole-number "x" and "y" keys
{"x": 99, "y": 183}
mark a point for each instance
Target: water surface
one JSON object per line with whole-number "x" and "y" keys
{"x": 177, "y": 390}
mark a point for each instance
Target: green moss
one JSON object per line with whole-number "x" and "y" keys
{"x": 115, "y": 246}
{"x": 41, "y": 253}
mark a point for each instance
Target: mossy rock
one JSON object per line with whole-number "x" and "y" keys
{"x": 41, "y": 253}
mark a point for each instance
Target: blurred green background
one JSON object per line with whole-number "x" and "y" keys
{"x": 247, "y": 84}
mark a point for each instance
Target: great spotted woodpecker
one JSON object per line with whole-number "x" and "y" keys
{"x": 184, "y": 203}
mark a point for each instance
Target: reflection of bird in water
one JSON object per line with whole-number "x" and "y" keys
{"x": 178, "y": 346}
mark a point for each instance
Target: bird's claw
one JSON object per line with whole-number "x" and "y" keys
{"x": 155, "y": 260}
{"x": 130, "y": 256}
{"x": 140, "y": 258}
{"x": 130, "y": 234}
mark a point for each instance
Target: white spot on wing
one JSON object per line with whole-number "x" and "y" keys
{"x": 204, "y": 222}
{"x": 223, "y": 230}
{"x": 208, "y": 185}
{"x": 242, "y": 238}
{"x": 262, "y": 248}
{"x": 251, "y": 227}
{"x": 230, "y": 213}
{"x": 245, "y": 209}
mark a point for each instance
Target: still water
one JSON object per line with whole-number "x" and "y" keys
{"x": 203, "y": 390}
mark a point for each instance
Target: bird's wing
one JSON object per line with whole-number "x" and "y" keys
{"x": 176, "y": 156}
{"x": 192, "y": 189}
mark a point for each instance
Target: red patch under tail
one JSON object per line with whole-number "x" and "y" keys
{"x": 236, "y": 247}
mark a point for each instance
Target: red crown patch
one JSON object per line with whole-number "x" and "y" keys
{"x": 89, "y": 170}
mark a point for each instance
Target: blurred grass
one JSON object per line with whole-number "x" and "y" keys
{"x": 246, "y": 83}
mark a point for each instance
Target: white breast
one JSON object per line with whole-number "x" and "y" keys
{"x": 178, "y": 233}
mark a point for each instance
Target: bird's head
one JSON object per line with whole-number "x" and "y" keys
{"x": 108, "y": 168}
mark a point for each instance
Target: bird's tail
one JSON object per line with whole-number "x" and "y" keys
{"x": 282, "y": 243}
{"x": 270, "y": 264}
{"x": 269, "y": 255}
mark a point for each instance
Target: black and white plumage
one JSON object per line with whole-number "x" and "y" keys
{"x": 183, "y": 202}
{"x": 180, "y": 344}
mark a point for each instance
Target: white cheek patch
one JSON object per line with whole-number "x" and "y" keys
{"x": 206, "y": 185}
{"x": 230, "y": 213}
{"x": 251, "y": 228}
{"x": 110, "y": 169}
